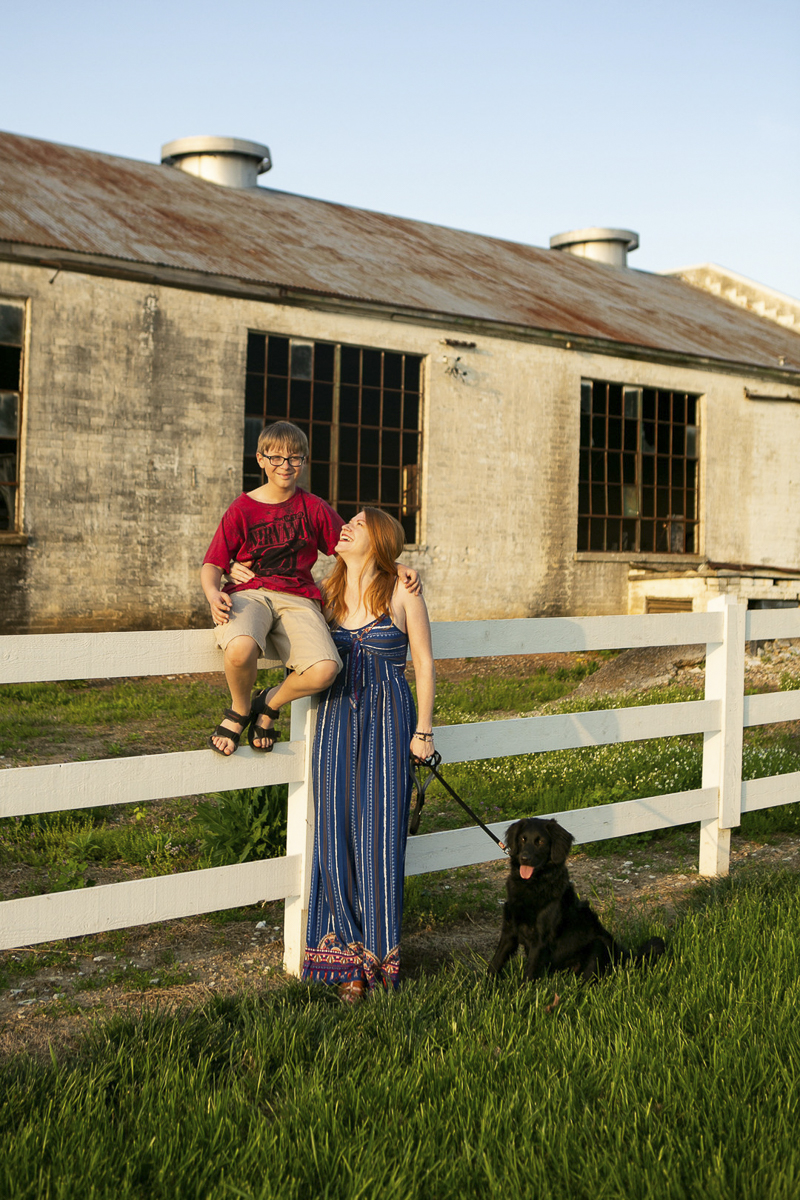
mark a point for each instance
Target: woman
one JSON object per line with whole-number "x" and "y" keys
{"x": 362, "y": 783}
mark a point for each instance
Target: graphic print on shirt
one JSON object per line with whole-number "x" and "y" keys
{"x": 274, "y": 546}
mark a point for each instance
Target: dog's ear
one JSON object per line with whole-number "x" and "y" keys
{"x": 512, "y": 834}
{"x": 560, "y": 842}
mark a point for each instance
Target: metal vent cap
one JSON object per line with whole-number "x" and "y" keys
{"x": 230, "y": 162}
{"x": 610, "y": 246}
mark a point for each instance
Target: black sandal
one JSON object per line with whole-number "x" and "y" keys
{"x": 258, "y": 707}
{"x": 221, "y": 731}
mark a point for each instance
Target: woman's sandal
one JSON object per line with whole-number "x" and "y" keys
{"x": 353, "y": 991}
{"x": 231, "y": 734}
{"x": 258, "y": 707}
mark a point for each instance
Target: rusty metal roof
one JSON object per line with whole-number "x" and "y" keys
{"x": 65, "y": 199}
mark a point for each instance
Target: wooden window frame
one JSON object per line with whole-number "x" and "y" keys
{"x": 12, "y": 358}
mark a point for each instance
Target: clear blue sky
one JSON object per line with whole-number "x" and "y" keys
{"x": 679, "y": 119}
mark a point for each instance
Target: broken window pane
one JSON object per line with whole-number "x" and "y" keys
{"x": 597, "y": 535}
{"x": 614, "y": 500}
{"x": 370, "y": 406}
{"x": 324, "y": 358}
{"x": 323, "y": 401}
{"x": 10, "y": 361}
{"x": 252, "y": 428}
{"x": 348, "y": 403}
{"x": 277, "y": 355}
{"x": 300, "y": 399}
{"x": 614, "y": 434}
{"x": 410, "y": 409}
{"x": 411, "y": 373}
{"x": 254, "y": 394}
{"x": 370, "y": 445}
{"x": 257, "y": 353}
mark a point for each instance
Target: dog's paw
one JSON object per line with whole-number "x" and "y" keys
{"x": 651, "y": 949}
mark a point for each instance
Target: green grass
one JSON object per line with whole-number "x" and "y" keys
{"x": 491, "y": 693}
{"x": 442, "y": 898}
{"x": 68, "y": 847}
{"x": 118, "y": 717}
{"x": 55, "y": 711}
{"x": 682, "y": 1081}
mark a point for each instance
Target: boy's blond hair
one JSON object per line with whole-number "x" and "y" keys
{"x": 282, "y": 435}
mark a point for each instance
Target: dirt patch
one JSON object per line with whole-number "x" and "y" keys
{"x": 768, "y": 668}
{"x": 166, "y": 965}
{"x": 639, "y": 670}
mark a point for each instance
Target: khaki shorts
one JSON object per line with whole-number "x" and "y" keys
{"x": 290, "y": 630}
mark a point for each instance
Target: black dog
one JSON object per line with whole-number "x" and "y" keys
{"x": 557, "y": 931}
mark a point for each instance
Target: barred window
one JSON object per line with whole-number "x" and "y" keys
{"x": 11, "y": 338}
{"x": 360, "y": 409}
{"x": 638, "y": 469}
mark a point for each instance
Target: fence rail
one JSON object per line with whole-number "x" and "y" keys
{"x": 716, "y": 806}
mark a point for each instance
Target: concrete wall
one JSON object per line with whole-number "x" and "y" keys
{"x": 133, "y": 449}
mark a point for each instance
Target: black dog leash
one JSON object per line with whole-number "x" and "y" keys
{"x": 431, "y": 764}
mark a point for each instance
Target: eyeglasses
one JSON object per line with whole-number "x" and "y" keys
{"x": 277, "y": 460}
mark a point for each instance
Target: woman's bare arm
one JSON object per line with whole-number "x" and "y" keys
{"x": 418, "y": 626}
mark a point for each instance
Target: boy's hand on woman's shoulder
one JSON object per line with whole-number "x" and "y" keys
{"x": 410, "y": 579}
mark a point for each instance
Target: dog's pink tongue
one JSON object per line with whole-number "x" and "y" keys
{"x": 525, "y": 871}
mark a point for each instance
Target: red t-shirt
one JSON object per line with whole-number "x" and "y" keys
{"x": 282, "y": 540}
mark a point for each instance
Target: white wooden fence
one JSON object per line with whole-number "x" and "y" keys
{"x": 717, "y": 805}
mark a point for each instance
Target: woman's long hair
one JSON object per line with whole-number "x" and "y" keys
{"x": 387, "y": 538}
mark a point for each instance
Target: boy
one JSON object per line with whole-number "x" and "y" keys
{"x": 273, "y": 608}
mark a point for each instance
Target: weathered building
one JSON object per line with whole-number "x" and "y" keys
{"x": 558, "y": 435}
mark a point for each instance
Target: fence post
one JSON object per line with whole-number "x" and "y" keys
{"x": 300, "y": 837}
{"x": 722, "y": 749}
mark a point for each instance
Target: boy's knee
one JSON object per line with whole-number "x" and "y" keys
{"x": 327, "y": 671}
{"x": 241, "y": 651}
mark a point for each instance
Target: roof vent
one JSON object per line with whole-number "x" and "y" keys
{"x": 610, "y": 246}
{"x": 231, "y": 162}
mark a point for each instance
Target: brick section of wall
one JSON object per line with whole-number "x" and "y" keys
{"x": 133, "y": 448}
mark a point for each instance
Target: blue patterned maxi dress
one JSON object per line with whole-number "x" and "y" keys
{"x": 362, "y": 793}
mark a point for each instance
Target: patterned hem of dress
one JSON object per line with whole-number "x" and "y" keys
{"x": 332, "y": 961}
